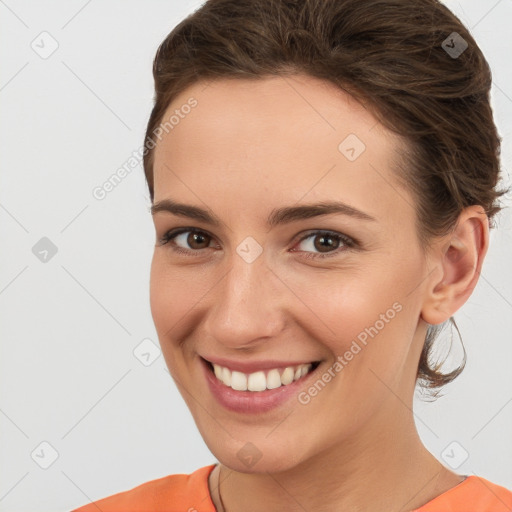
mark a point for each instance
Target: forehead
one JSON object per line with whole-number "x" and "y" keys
{"x": 294, "y": 135}
{"x": 297, "y": 106}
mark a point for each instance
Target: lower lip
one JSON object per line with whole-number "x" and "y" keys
{"x": 252, "y": 401}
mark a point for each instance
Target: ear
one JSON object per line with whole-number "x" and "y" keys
{"x": 459, "y": 257}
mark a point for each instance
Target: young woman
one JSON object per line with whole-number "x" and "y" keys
{"x": 323, "y": 175}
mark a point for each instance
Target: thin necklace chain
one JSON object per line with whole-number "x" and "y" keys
{"x": 220, "y": 494}
{"x": 223, "y": 509}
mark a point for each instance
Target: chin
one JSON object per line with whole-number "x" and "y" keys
{"x": 248, "y": 458}
{"x": 271, "y": 464}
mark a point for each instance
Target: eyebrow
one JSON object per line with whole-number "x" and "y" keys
{"x": 276, "y": 217}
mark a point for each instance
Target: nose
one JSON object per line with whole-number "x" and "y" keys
{"x": 246, "y": 306}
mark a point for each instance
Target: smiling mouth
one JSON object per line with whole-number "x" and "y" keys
{"x": 261, "y": 380}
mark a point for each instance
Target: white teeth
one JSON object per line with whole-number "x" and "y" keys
{"x": 287, "y": 376}
{"x": 239, "y": 381}
{"x": 273, "y": 379}
{"x": 226, "y": 376}
{"x": 259, "y": 381}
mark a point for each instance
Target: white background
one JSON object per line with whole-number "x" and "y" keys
{"x": 69, "y": 326}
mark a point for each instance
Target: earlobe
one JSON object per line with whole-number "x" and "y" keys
{"x": 459, "y": 258}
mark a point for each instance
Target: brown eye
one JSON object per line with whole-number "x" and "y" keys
{"x": 196, "y": 240}
{"x": 322, "y": 244}
{"x": 186, "y": 240}
{"x": 325, "y": 242}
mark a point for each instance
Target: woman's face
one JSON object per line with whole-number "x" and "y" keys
{"x": 272, "y": 284}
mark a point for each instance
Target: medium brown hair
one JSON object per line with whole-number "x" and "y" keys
{"x": 392, "y": 56}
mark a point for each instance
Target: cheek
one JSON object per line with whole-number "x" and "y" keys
{"x": 159, "y": 293}
{"x": 367, "y": 321}
{"x": 173, "y": 293}
{"x": 339, "y": 304}
{"x": 369, "y": 315}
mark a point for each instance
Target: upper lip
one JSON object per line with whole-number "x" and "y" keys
{"x": 254, "y": 366}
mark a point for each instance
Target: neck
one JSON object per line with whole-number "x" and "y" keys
{"x": 382, "y": 469}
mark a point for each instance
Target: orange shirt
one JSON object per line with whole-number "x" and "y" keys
{"x": 190, "y": 493}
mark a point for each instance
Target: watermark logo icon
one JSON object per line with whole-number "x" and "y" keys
{"x": 351, "y": 147}
{"x": 249, "y": 454}
{"x": 44, "y": 455}
{"x": 249, "y": 249}
{"x": 454, "y": 455}
{"x": 44, "y": 250}
{"x": 147, "y": 352}
{"x": 454, "y": 45}
{"x": 45, "y": 45}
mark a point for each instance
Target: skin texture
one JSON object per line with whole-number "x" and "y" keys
{"x": 253, "y": 146}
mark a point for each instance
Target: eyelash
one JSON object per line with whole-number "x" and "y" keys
{"x": 345, "y": 240}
